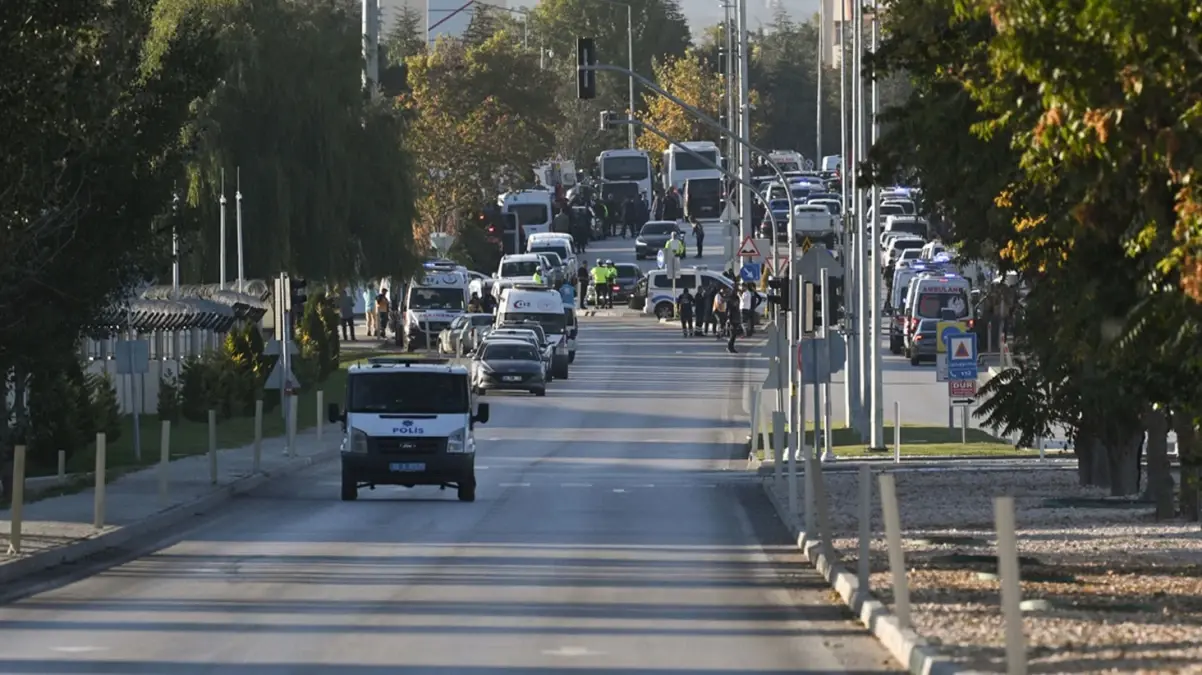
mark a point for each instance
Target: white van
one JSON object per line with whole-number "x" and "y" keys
{"x": 653, "y": 293}
{"x": 432, "y": 301}
{"x": 930, "y": 293}
{"x": 531, "y": 207}
{"x": 408, "y": 422}
{"x": 555, "y": 242}
{"x": 543, "y": 306}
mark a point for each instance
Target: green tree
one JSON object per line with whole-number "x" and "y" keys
{"x": 404, "y": 39}
{"x": 690, "y": 79}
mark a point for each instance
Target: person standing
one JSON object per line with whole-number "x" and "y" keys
{"x": 582, "y": 279}
{"x": 684, "y": 307}
{"x": 704, "y": 304}
{"x": 675, "y": 246}
{"x": 369, "y": 312}
{"x": 382, "y": 306}
{"x": 346, "y": 311}
{"x": 732, "y": 318}
{"x": 698, "y": 234}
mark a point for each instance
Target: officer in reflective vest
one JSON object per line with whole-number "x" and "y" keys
{"x": 675, "y": 246}
{"x": 600, "y": 276}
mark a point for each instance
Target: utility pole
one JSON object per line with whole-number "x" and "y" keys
{"x": 818, "y": 82}
{"x": 852, "y": 263}
{"x": 630, "y": 66}
{"x": 744, "y": 126}
{"x": 877, "y": 441}
{"x": 731, "y": 122}
{"x": 221, "y": 248}
{"x": 238, "y": 221}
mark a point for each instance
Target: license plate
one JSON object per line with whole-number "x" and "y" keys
{"x": 407, "y": 466}
{"x": 512, "y": 378}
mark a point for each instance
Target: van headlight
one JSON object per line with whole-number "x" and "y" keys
{"x": 358, "y": 442}
{"x": 457, "y": 443}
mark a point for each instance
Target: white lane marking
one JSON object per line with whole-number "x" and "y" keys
{"x": 571, "y": 652}
{"x": 575, "y": 485}
{"x": 481, "y": 468}
{"x": 515, "y": 484}
{"x": 644, "y": 485}
{"x": 618, "y": 490}
{"x": 80, "y": 650}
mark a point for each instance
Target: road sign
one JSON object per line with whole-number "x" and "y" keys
{"x": 132, "y": 357}
{"x": 806, "y": 245}
{"x": 820, "y": 371}
{"x": 815, "y": 260}
{"x": 659, "y": 259}
{"x": 945, "y": 328}
{"x": 748, "y": 249}
{"x": 962, "y": 356}
{"x": 962, "y": 392}
{"x": 809, "y": 165}
{"x": 276, "y": 379}
{"x": 751, "y": 271}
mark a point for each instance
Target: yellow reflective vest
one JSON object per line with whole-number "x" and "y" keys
{"x": 675, "y": 246}
{"x": 599, "y": 274}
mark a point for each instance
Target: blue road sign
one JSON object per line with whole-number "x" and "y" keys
{"x": 659, "y": 259}
{"x": 961, "y": 356}
{"x": 816, "y": 368}
{"x": 751, "y": 271}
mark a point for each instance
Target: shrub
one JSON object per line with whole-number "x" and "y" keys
{"x": 317, "y": 336}
{"x": 60, "y": 414}
{"x": 201, "y": 386}
{"x": 105, "y": 408}
{"x": 170, "y": 406}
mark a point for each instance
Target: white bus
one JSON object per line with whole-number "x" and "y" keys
{"x": 680, "y": 166}
{"x": 626, "y": 166}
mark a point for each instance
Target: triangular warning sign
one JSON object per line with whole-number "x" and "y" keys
{"x": 748, "y": 248}
{"x": 962, "y": 351}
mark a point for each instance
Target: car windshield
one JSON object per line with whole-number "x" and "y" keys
{"x": 629, "y": 271}
{"x": 530, "y": 214}
{"x": 906, "y": 244}
{"x": 521, "y": 268}
{"x": 658, "y": 229}
{"x": 553, "y": 258}
{"x": 503, "y": 352}
{"x": 482, "y": 320}
{"x": 553, "y": 324}
{"x": 436, "y": 298}
{"x": 408, "y": 392}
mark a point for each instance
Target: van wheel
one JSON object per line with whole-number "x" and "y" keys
{"x": 467, "y": 490}
{"x": 664, "y": 310}
{"x": 914, "y": 361}
{"x": 895, "y": 346}
{"x": 350, "y": 488}
{"x": 572, "y": 357}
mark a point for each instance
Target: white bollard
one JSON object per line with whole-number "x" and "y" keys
{"x": 755, "y": 419}
{"x": 293, "y": 402}
{"x": 17, "y": 508}
{"x": 62, "y": 464}
{"x": 864, "y": 566}
{"x": 164, "y": 461}
{"x": 1042, "y": 448}
{"x": 320, "y": 421}
{"x": 98, "y": 493}
{"x": 1008, "y": 575}
{"x": 964, "y": 425}
{"x": 897, "y": 432}
{"x": 778, "y": 448}
{"x": 258, "y": 457}
{"x": 213, "y": 447}
{"x": 897, "y": 557}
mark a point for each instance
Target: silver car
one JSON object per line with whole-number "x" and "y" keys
{"x": 462, "y": 336}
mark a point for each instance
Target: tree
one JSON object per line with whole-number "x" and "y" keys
{"x": 690, "y": 79}
{"x": 324, "y": 176}
{"x": 403, "y": 40}
{"x": 481, "y": 118}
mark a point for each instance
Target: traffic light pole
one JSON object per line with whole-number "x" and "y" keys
{"x": 875, "y": 385}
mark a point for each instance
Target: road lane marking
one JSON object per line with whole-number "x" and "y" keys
{"x": 580, "y": 485}
{"x": 514, "y": 484}
{"x": 618, "y": 490}
{"x": 80, "y": 650}
{"x": 572, "y": 652}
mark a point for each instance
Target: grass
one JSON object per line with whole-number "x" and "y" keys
{"x": 917, "y": 441}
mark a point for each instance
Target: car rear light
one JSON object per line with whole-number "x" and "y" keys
{"x": 617, "y": 288}
{"x": 970, "y": 323}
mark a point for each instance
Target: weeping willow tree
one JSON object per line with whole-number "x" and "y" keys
{"x": 325, "y": 178}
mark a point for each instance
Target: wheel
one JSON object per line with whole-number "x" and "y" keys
{"x": 663, "y": 310}
{"x": 914, "y": 359}
{"x": 539, "y": 392}
{"x": 467, "y": 490}
{"x": 895, "y": 346}
{"x": 350, "y": 488}
{"x": 572, "y": 357}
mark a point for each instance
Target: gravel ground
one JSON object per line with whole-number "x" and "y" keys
{"x": 1125, "y": 592}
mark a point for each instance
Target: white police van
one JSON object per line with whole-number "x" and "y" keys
{"x": 544, "y": 306}
{"x": 432, "y": 301}
{"x": 408, "y": 422}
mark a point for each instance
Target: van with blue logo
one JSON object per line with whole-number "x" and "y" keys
{"x": 408, "y": 422}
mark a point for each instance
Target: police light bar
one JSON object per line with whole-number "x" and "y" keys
{"x": 377, "y": 361}
{"x": 525, "y": 286}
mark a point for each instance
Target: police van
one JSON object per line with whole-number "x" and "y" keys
{"x": 653, "y": 293}
{"x": 408, "y": 422}
{"x": 432, "y": 301}
{"x": 544, "y": 306}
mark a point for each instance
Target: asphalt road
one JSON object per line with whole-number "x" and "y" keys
{"x": 613, "y": 533}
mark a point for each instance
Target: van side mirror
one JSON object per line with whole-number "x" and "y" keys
{"x": 335, "y": 413}
{"x": 482, "y": 414}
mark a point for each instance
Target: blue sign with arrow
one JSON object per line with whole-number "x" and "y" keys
{"x": 751, "y": 271}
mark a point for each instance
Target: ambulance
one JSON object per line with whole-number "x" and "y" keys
{"x": 931, "y": 293}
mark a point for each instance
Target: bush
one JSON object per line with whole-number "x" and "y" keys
{"x": 228, "y": 380}
{"x": 170, "y": 406}
{"x": 60, "y": 414}
{"x": 317, "y": 336}
{"x": 105, "y": 408}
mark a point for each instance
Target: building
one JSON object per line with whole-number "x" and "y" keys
{"x": 833, "y": 28}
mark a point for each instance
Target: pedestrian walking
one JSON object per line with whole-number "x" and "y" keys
{"x": 346, "y": 311}
{"x": 684, "y": 305}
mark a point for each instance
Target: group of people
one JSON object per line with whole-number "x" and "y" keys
{"x": 602, "y": 276}
{"x": 720, "y": 311}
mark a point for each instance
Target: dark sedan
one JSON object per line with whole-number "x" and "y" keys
{"x": 653, "y": 237}
{"x": 508, "y": 365}
{"x": 923, "y": 346}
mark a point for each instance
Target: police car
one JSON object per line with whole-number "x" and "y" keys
{"x": 653, "y": 293}
{"x": 409, "y": 422}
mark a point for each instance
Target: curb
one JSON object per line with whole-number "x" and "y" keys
{"x": 115, "y": 536}
{"x": 906, "y": 646}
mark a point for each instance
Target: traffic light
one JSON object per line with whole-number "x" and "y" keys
{"x": 833, "y": 298}
{"x": 586, "y": 80}
{"x": 778, "y": 292}
{"x": 300, "y": 293}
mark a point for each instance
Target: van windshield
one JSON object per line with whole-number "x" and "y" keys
{"x": 530, "y": 214}
{"x": 553, "y": 324}
{"x": 436, "y": 298}
{"x": 931, "y": 305}
{"x": 560, "y": 250}
{"x": 412, "y": 392}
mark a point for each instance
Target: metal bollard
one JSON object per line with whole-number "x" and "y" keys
{"x": 164, "y": 461}
{"x": 213, "y": 447}
{"x": 98, "y": 492}
{"x": 864, "y": 566}
{"x": 17, "y": 508}
{"x": 258, "y": 458}
{"x": 1008, "y": 575}
{"x": 62, "y": 464}
{"x": 320, "y": 422}
{"x": 897, "y": 432}
{"x": 897, "y": 557}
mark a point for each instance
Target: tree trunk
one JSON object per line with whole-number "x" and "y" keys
{"x": 1092, "y": 468}
{"x": 1191, "y": 464}
{"x": 1160, "y": 480}
{"x": 1122, "y": 456}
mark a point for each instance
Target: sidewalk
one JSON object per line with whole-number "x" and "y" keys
{"x": 60, "y": 529}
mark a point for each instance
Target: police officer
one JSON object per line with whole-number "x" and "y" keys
{"x": 675, "y": 246}
{"x": 685, "y": 304}
{"x": 611, "y": 277}
{"x": 538, "y": 277}
{"x": 599, "y": 274}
